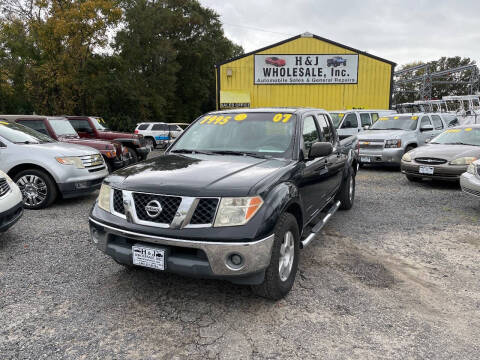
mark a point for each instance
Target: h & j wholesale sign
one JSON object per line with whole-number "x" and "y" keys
{"x": 306, "y": 69}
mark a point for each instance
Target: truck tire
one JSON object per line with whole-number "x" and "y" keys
{"x": 132, "y": 153}
{"x": 346, "y": 194}
{"x": 150, "y": 143}
{"x": 280, "y": 274}
{"x": 38, "y": 188}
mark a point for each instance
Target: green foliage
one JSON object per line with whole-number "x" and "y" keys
{"x": 55, "y": 59}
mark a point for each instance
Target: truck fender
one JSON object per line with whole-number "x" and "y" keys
{"x": 126, "y": 141}
{"x": 284, "y": 197}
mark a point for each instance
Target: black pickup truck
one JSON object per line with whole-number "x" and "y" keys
{"x": 235, "y": 197}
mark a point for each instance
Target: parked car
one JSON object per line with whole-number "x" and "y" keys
{"x": 336, "y": 61}
{"x": 470, "y": 180}
{"x": 60, "y": 129}
{"x": 11, "y": 208}
{"x": 446, "y": 157}
{"x": 392, "y": 136}
{"x": 91, "y": 127}
{"x": 275, "y": 61}
{"x": 44, "y": 168}
{"x": 351, "y": 122}
{"x": 235, "y": 197}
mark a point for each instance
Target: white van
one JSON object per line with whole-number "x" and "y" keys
{"x": 351, "y": 122}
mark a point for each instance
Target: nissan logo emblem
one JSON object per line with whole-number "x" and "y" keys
{"x": 153, "y": 208}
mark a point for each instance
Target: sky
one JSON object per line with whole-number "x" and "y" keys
{"x": 401, "y": 31}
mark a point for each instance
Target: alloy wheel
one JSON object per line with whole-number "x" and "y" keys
{"x": 33, "y": 188}
{"x": 287, "y": 253}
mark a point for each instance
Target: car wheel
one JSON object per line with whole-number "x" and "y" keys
{"x": 346, "y": 195}
{"x": 150, "y": 143}
{"x": 133, "y": 154}
{"x": 280, "y": 274}
{"x": 37, "y": 187}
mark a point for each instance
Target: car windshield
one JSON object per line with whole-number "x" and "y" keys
{"x": 462, "y": 136}
{"x": 395, "y": 123}
{"x": 62, "y": 127}
{"x": 252, "y": 133}
{"x": 20, "y": 134}
{"x": 99, "y": 123}
{"x": 336, "y": 118}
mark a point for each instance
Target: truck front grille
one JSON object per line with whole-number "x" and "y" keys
{"x": 118, "y": 202}
{"x": 431, "y": 161}
{"x": 205, "y": 212}
{"x": 169, "y": 205}
{"x": 370, "y": 144}
{"x": 4, "y": 187}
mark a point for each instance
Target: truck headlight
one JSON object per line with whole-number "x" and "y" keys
{"x": 71, "y": 160}
{"x": 237, "y": 211}
{"x": 407, "y": 157}
{"x": 471, "y": 169}
{"x": 104, "y": 197}
{"x": 393, "y": 143}
{"x": 463, "y": 161}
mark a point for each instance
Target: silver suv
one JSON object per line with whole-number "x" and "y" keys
{"x": 44, "y": 168}
{"x": 392, "y": 136}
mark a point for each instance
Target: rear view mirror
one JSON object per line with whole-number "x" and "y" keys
{"x": 320, "y": 149}
{"x": 426, "y": 128}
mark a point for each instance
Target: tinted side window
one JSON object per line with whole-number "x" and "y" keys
{"x": 37, "y": 125}
{"x": 81, "y": 125}
{"x": 365, "y": 119}
{"x": 325, "y": 128}
{"x": 437, "y": 122}
{"x": 309, "y": 134}
{"x": 374, "y": 117}
{"x": 172, "y": 127}
{"x": 160, "y": 127}
{"x": 350, "y": 122}
{"x": 143, "y": 127}
{"x": 425, "y": 121}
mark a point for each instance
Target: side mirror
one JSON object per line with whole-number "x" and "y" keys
{"x": 426, "y": 128}
{"x": 320, "y": 149}
{"x": 366, "y": 127}
{"x": 427, "y": 140}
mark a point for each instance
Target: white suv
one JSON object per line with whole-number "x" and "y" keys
{"x": 11, "y": 208}
{"x": 158, "y": 134}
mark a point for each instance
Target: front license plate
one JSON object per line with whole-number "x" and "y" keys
{"x": 148, "y": 257}
{"x": 364, "y": 159}
{"x": 426, "y": 170}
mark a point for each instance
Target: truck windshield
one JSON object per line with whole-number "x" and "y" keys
{"x": 336, "y": 118}
{"x": 258, "y": 133}
{"x": 99, "y": 123}
{"x": 465, "y": 136}
{"x": 396, "y": 123}
{"x": 62, "y": 127}
{"x": 20, "y": 134}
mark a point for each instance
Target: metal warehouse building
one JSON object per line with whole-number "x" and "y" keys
{"x": 305, "y": 70}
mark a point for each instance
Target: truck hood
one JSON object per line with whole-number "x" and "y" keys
{"x": 447, "y": 152}
{"x": 97, "y": 144}
{"x": 59, "y": 149}
{"x": 197, "y": 175}
{"x": 382, "y": 134}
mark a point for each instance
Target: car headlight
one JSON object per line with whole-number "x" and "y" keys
{"x": 393, "y": 143}
{"x": 407, "y": 157}
{"x": 463, "y": 161}
{"x": 4, "y": 175}
{"x": 471, "y": 169}
{"x": 237, "y": 210}
{"x": 71, "y": 160}
{"x": 104, "y": 197}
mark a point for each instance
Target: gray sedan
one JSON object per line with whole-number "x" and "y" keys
{"x": 470, "y": 180}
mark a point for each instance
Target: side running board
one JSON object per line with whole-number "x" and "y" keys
{"x": 319, "y": 226}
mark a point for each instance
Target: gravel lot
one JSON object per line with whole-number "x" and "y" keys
{"x": 397, "y": 277}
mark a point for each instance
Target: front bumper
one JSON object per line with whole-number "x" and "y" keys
{"x": 440, "y": 172}
{"x": 470, "y": 184}
{"x": 205, "y": 259}
{"x": 79, "y": 188}
{"x": 10, "y": 217}
{"x": 381, "y": 156}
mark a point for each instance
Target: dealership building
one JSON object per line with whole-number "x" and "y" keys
{"x": 305, "y": 70}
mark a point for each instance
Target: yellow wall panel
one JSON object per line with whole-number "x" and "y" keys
{"x": 371, "y": 92}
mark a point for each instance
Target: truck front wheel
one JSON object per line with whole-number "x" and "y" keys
{"x": 280, "y": 274}
{"x": 133, "y": 154}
